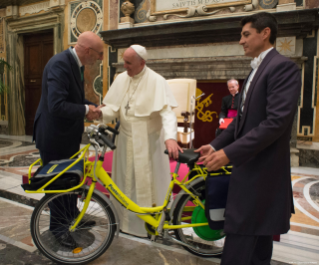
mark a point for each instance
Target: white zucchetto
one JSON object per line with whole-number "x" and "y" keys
{"x": 140, "y": 50}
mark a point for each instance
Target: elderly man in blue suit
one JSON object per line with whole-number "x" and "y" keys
{"x": 59, "y": 120}
{"x": 259, "y": 203}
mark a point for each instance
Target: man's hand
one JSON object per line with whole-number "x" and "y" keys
{"x": 216, "y": 160}
{"x": 94, "y": 113}
{"x": 173, "y": 148}
{"x": 101, "y": 106}
{"x": 204, "y": 151}
{"x": 221, "y": 120}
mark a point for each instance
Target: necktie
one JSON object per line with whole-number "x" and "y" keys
{"x": 82, "y": 72}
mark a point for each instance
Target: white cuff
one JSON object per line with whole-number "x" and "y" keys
{"x": 213, "y": 148}
{"x": 169, "y": 122}
{"x": 86, "y": 109}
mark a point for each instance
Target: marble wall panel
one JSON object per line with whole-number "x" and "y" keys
{"x": 286, "y": 45}
{"x": 92, "y": 86}
{"x": 309, "y": 158}
{"x": 299, "y": 2}
{"x": 114, "y": 14}
{"x": 307, "y": 106}
{"x": 299, "y": 47}
{"x": 1, "y": 35}
{"x": 311, "y": 3}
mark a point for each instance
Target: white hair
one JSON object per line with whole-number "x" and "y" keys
{"x": 231, "y": 80}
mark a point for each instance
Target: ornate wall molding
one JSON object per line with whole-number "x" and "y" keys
{"x": 225, "y": 67}
{"x": 161, "y": 7}
{"x": 200, "y": 9}
{"x": 85, "y": 16}
{"x": 35, "y": 8}
{"x": 296, "y": 23}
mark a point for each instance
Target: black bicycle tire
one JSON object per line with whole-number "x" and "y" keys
{"x": 46, "y": 253}
{"x": 177, "y": 209}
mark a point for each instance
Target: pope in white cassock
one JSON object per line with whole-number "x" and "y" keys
{"x": 141, "y": 99}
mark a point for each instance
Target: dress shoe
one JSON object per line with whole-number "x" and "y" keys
{"x": 86, "y": 224}
{"x": 66, "y": 240}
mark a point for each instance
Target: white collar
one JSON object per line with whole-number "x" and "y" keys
{"x": 77, "y": 58}
{"x": 257, "y": 60}
{"x": 140, "y": 73}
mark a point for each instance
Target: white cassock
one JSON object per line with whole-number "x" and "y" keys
{"x": 140, "y": 167}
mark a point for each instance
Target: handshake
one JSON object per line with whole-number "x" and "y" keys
{"x": 94, "y": 112}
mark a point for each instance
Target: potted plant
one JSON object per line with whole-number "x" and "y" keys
{"x": 3, "y": 87}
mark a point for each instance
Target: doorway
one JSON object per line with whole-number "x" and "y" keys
{"x": 38, "y": 49}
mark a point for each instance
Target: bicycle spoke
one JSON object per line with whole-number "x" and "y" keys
{"x": 90, "y": 241}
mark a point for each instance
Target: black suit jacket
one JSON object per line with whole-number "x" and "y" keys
{"x": 260, "y": 194}
{"x": 227, "y": 105}
{"x": 59, "y": 120}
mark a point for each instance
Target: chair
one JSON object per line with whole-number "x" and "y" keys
{"x": 184, "y": 91}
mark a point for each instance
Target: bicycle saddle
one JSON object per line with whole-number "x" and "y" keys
{"x": 188, "y": 157}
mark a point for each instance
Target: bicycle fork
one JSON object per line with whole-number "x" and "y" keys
{"x": 86, "y": 205}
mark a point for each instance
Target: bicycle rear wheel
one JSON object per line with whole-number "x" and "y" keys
{"x": 91, "y": 242}
{"x": 183, "y": 214}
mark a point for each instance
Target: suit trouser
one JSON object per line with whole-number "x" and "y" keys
{"x": 247, "y": 250}
{"x": 63, "y": 209}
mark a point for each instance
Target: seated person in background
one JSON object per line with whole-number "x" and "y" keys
{"x": 229, "y": 103}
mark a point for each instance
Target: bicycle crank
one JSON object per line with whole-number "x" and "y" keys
{"x": 173, "y": 239}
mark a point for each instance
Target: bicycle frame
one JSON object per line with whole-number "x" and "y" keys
{"x": 145, "y": 213}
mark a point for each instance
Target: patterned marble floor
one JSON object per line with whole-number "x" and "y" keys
{"x": 299, "y": 246}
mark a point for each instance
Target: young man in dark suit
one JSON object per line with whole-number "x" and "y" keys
{"x": 260, "y": 202}
{"x": 59, "y": 120}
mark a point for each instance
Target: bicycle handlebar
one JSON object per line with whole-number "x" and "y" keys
{"x": 107, "y": 141}
{"x": 100, "y": 132}
{"x": 112, "y": 130}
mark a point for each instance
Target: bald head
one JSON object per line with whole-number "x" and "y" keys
{"x": 89, "y": 48}
{"x": 133, "y": 63}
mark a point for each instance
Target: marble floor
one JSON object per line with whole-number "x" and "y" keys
{"x": 299, "y": 246}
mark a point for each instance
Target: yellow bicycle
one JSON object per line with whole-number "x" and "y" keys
{"x": 182, "y": 221}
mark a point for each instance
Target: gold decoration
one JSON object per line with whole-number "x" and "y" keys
{"x": 122, "y": 55}
{"x": 86, "y": 20}
{"x": 285, "y": 46}
{"x": 206, "y": 116}
{"x": 127, "y": 8}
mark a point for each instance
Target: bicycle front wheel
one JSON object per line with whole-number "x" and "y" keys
{"x": 200, "y": 244}
{"x": 53, "y": 216}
